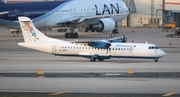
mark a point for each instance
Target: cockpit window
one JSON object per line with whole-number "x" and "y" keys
{"x": 156, "y": 47}
{"x": 153, "y": 47}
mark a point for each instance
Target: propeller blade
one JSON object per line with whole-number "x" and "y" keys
{"x": 108, "y": 47}
{"x": 106, "y": 51}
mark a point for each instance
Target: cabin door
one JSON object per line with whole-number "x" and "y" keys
{"x": 54, "y": 49}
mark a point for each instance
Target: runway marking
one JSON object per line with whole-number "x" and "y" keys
{"x": 41, "y": 76}
{"x": 40, "y": 72}
{"x": 112, "y": 74}
{"x": 129, "y": 71}
{"x": 169, "y": 94}
{"x": 62, "y": 92}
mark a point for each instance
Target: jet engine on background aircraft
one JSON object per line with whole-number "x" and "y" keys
{"x": 104, "y": 25}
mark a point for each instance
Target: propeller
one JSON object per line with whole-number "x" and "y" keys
{"x": 108, "y": 44}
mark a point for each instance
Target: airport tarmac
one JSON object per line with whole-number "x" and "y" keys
{"x": 18, "y": 60}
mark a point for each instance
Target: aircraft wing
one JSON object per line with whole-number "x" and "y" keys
{"x": 5, "y": 12}
{"x": 95, "y": 44}
{"x": 83, "y": 42}
{"x": 79, "y": 19}
{"x": 102, "y": 44}
{"x": 110, "y": 40}
{"x": 98, "y": 16}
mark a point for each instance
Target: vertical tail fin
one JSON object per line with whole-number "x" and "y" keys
{"x": 131, "y": 5}
{"x": 1, "y": 2}
{"x": 30, "y": 32}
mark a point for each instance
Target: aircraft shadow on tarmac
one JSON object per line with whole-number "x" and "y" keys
{"x": 105, "y": 61}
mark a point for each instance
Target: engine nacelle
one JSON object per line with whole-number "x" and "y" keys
{"x": 100, "y": 44}
{"x": 104, "y": 25}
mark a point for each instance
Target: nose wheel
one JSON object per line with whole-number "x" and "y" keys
{"x": 156, "y": 60}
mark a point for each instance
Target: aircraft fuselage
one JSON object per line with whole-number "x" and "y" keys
{"x": 52, "y": 14}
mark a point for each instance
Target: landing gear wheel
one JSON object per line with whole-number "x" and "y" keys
{"x": 92, "y": 59}
{"x": 115, "y": 31}
{"x": 66, "y": 35}
{"x": 156, "y": 60}
{"x": 17, "y": 32}
{"x": 86, "y": 29}
{"x": 92, "y": 30}
{"x": 176, "y": 32}
{"x": 71, "y": 35}
{"x": 100, "y": 59}
{"x": 75, "y": 35}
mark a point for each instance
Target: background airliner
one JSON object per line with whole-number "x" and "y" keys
{"x": 97, "y": 15}
{"x": 100, "y": 50}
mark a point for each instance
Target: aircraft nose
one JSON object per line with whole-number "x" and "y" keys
{"x": 163, "y": 53}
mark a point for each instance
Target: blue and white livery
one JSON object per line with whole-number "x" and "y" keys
{"x": 96, "y": 15}
{"x": 89, "y": 49}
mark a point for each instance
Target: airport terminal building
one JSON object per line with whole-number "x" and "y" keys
{"x": 153, "y": 13}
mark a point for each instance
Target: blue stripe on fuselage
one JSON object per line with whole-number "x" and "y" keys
{"x": 31, "y": 10}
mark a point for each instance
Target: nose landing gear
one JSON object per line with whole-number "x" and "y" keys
{"x": 155, "y": 59}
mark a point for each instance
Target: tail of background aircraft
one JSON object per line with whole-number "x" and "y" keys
{"x": 30, "y": 32}
{"x": 1, "y": 2}
{"x": 131, "y": 5}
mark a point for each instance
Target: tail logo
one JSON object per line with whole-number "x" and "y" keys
{"x": 28, "y": 27}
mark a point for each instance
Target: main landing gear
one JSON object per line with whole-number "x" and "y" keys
{"x": 14, "y": 31}
{"x": 115, "y": 31}
{"x": 71, "y": 35}
{"x": 156, "y": 60}
{"x": 92, "y": 59}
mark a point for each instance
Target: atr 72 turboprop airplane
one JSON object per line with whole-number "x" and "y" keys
{"x": 96, "y": 15}
{"x": 100, "y": 50}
